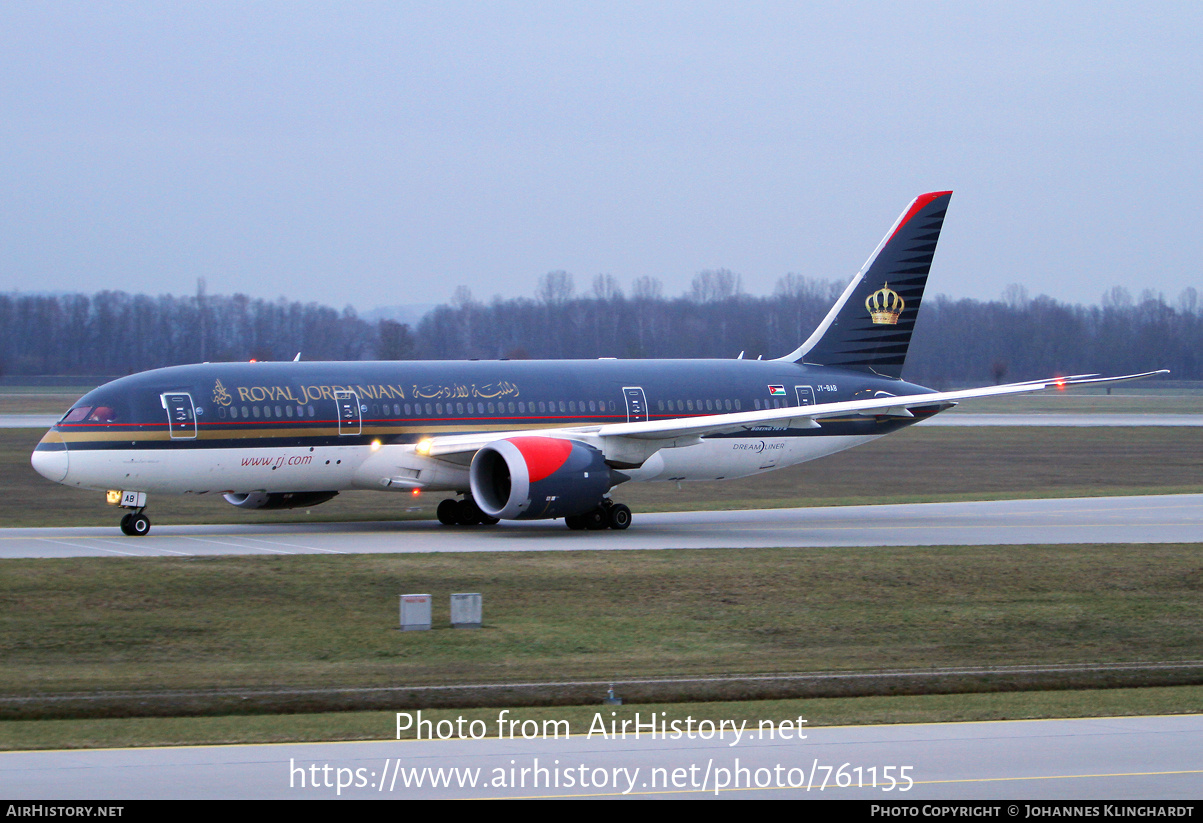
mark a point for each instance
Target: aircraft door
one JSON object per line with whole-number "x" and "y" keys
{"x": 181, "y": 415}
{"x": 350, "y": 421}
{"x": 636, "y": 404}
{"x": 806, "y": 395}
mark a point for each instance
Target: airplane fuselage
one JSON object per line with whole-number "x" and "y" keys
{"x": 244, "y": 428}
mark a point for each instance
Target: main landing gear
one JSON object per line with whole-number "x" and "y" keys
{"x": 135, "y": 524}
{"x": 463, "y": 513}
{"x": 608, "y": 515}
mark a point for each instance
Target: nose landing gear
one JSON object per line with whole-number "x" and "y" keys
{"x": 135, "y": 524}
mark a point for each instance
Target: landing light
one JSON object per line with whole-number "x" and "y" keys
{"x": 423, "y": 446}
{"x": 375, "y": 445}
{"x": 112, "y": 497}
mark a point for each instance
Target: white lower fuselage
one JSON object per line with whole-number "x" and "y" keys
{"x": 265, "y": 468}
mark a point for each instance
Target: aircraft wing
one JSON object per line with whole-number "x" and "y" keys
{"x": 688, "y": 430}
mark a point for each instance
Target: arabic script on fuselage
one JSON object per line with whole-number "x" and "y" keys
{"x": 489, "y": 391}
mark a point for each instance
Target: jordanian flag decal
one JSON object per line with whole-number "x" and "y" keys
{"x": 777, "y": 391}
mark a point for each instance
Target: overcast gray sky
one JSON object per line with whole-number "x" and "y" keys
{"x": 383, "y": 153}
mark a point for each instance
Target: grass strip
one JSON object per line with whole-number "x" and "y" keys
{"x": 305, "y": 621}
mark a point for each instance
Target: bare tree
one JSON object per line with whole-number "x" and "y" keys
{"x": 712, "y": 286}
{"x": 555, "y": 288}
{"x": 461, "y": 297}
{"x": 1188, "y": 301}
{"x": 395, "y": 341}
{"x": 1015, "y": 296}
{"x": 647, "y": 288}
{"x": 605, "y": 287}
{"x": 1117, "y": 297}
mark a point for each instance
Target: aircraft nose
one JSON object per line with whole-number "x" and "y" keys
{"x": 49, "y": 459}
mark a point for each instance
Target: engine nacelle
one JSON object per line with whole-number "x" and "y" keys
{"x": 277, "y": 500}
{"x": 535, "y": 478}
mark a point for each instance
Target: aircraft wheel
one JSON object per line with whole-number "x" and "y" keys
{"x": 125, "y": 529}
{"x": 448, "y": 512}
{"x": 576, "y": 522}
{"x": 620, "y": 517}
{"x": 485, "y": 520}
{"x": 139, "y": 525}
{"x": 468, "y": 513}
{"x": 596, "y": 519}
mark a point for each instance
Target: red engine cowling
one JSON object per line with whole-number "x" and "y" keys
{"x": 535, "y": 478}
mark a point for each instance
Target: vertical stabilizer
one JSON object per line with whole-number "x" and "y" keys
{"x": 869, "y": 328}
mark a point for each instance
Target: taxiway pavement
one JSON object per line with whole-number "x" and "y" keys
{"x": 1149, "y": 519}
{"x": 1096, "y": 758}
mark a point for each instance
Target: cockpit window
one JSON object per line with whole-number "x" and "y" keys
{"x": 76, "y": 415}
{"x": 97, "y": 411}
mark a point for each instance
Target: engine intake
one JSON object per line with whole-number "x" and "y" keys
{"x": 277, "y": 500}
{"x": 535, "y": 478}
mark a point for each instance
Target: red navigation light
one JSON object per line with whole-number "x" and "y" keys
{"x": 416, "y": 492}
{"x": 1060, "y": 384}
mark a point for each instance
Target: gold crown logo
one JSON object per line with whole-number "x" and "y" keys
{"x": 885, "y": 305}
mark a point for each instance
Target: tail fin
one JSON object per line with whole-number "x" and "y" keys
{"x": 869, "y": 327}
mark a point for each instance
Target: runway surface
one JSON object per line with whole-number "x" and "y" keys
{"x": 1106, "y": 758}
{"x": 1151, "y": 519}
